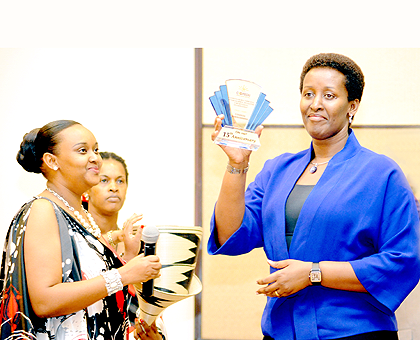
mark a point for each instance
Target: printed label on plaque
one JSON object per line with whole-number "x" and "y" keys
{"x": 243, "y": 96}
{"x": 244, "y": 108}
{"x": 240, "y": 138}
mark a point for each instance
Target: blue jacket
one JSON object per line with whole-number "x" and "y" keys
{"x": 362, "y": 210}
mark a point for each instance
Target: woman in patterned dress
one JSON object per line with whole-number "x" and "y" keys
{"x": 72, "y": 286}
{"x": 104, "y": 201}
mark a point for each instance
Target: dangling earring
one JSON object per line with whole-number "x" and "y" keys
{"x": 350, "y": 119}
{"x": 85, "y": 197}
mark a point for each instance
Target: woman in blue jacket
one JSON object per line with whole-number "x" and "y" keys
{"x": 337, "y": 221}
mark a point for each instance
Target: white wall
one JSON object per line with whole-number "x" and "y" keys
{"x": 138, "y": 102}
{"x": 389, "y": 97}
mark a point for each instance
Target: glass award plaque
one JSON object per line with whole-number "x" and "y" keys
{"x": 244, "y": 108}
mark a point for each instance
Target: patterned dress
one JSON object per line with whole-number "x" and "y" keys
{"x": 83, "y": 257}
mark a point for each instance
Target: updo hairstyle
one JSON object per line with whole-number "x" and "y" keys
{"x": 110, "y": 155}
{"x": 39, "y": 141}
{"x": 354, "y": 76}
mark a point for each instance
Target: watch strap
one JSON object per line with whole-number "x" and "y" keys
{"x": 315, "y": 274}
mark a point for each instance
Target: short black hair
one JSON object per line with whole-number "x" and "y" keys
{"x": 111, "y": 155}
{"x": 355, "y": 82}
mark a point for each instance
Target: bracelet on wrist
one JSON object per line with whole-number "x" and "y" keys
{"x": 113, "y": 282}
{"x": 236, "y": 171}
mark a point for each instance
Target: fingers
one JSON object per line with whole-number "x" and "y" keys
{"x": 278, "y": 264}
{"x": 276, "y": 294}
{"x": 119, "y": 235}
{"x": 130, "y": 223}
{"x": 135, "y": 218}
{"x": 273, "y": 290}
{"x": 217, "y": 126}
{"x": 218, "y": 121}
{"x": 291, "y": 277}
{"x": 258, "y": 130}
{"x": 141, "y": 329}
{"x": 131, "y": 236}
{"x": 154, "y": 274}
{"x": 267, "y": 290}
{"x": 144, "y": 331}
{"x": 268, "y": 280}
{"x": 272, "y": 293}
{"x": 139, "y": 233}
{"x": 153, "y": 258}
{"x": 154, "y": 266}
{"x": 272, "y": 278}
{"x": 145, "y": 327}
{"x": 153, "y": 327}
{"x": 141, "y": 269}
{"x": 154, "y": 261}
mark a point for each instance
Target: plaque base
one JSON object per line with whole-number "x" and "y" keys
{"x": 238, "y": 138}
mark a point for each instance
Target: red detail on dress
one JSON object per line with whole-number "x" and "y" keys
{"x": 9, "y": 306}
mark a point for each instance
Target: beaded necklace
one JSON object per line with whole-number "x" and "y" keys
{"x": 90, "y": 226}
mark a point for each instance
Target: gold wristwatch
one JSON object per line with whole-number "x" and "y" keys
{"x": 315, "y": 274}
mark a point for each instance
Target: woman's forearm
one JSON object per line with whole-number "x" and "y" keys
{"x": 230, "y": 206}
{"x": 292, "y": 276}
{"x": 340, "y": 275}
{"x": 67, "y": 298}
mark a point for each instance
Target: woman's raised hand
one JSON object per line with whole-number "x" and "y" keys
{"x": 132, "y": 239}
{"x": 236, "y": 155}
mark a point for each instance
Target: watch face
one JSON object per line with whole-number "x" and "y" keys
{"x": 315, "y": 276}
